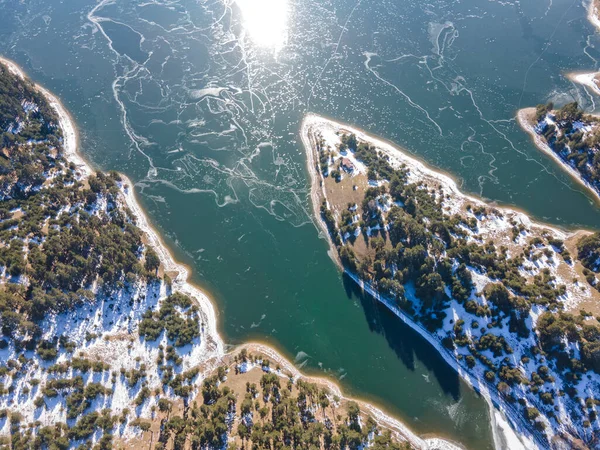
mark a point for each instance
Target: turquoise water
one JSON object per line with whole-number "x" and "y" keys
{"x": 181, "y": 97}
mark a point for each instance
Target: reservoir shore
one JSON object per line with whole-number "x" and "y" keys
{"x": 213, "y": 347}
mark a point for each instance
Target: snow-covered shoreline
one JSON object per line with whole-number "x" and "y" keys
{"x": 213, "y": 346}
{"x": 593, "y": 14}
{"x": 503, "y": 416}
{"x": 70, "y": 138}
{"x": 585, "y": 79}
{"x": 316, "y": 180}
{"x": 500, "y": 412}
{"x": 417, "y": 166}
{"x": 525, "y": 124}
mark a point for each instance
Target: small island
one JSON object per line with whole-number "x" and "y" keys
{"x": 512, "y": 304}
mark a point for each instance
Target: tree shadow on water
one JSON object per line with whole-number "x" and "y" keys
{"x": 408, "y": 345}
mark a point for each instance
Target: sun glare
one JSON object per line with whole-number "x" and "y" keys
{"x": 265, "y": 21}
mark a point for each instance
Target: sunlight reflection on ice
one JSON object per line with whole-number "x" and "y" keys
{"x": 265, "y": 21}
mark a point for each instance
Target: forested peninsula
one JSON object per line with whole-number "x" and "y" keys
{"x": 103, "y": 342}
{"x": 512, "y": 304}
{"x": 570, "y": 136}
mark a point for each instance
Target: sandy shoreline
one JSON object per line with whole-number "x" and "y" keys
{"x": 317, "y": 194}
{"x": 501, "y": 413}
{"x": 525, "y": 124}
{"x": 382, "y": 418}
{"x": 422, "y": 168}
{"x": 212, "y": 343}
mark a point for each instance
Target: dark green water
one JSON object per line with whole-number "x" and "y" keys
{"x": 222, "y": 172}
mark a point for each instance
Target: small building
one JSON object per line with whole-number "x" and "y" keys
{"x": 347, "y": 165}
